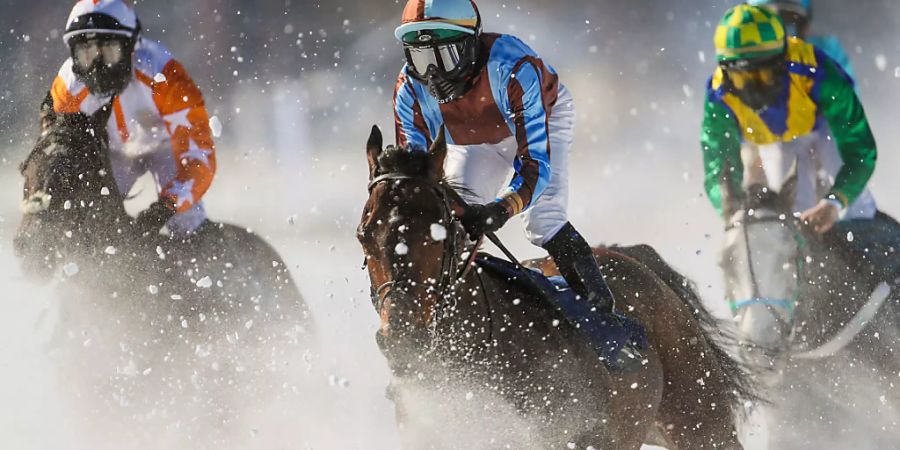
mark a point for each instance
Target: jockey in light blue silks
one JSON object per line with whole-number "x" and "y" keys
{"x": 505, "y": 112}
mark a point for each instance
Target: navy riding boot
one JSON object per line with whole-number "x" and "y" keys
{"x": 620, "y": 347}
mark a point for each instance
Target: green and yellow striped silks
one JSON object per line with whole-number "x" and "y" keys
{"x": 802, "y": 111}
{"x": 748, "y": 32}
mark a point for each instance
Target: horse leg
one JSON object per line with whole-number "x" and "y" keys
{"x": 636, "y": 399}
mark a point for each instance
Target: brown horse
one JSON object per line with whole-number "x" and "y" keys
{"x": 151, "y": 327}
{"x": 453, "y": 332}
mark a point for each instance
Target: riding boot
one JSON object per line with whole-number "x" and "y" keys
{"x": 575, "y": 260}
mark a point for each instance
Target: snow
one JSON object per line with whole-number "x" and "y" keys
{"x": 438, "y": 232}
{"x": 70, "y": 269}
{"x": 204, "y": 282}
{"x": 215, "y": 125}
{"x": 273, "y": 165}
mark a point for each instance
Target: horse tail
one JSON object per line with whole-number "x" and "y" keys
{"x": 718, "y": 333}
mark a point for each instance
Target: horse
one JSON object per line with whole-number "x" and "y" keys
{"x": 480, "y": 359}
{"x": 808, "y": 316}
{"x": 155, "y": 328}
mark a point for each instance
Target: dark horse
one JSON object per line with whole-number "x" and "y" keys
{"x": 150, "y": 327}
{"x": 816, "y": 315}
{"x": 457, "y": 336}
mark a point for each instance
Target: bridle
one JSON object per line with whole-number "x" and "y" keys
{"x": 451, "y": 260}
{"x": 747, "y": 217}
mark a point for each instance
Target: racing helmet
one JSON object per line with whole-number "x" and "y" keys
{"x": 101, "y": 36}
{"x": 440, "y": 41}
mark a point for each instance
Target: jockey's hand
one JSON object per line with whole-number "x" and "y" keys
{"x": 481, "y": 219}
{"x": 152, "y": 219}
{"x": 820, "y": 218}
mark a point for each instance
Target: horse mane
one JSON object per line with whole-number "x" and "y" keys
{"x": 720, "y": 335}
{"x": 762, "y": 197}
{"x": 403, "y": 160}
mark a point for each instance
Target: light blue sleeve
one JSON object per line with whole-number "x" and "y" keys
{"x": 529, "y": 117}
{"x": 833, "y": 48}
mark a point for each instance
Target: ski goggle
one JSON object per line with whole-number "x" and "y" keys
{"x": 442, "y": 49}
{"x": 445, "y": 57}
{"x": 108, "y": 51}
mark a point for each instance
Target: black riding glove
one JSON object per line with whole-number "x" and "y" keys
{"x": 481, "y": 219}
{"x": 152, "y": 219}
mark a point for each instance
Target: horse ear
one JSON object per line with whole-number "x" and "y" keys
{"x": 788, "y": 191}
{"x": 732, "y": 201}
{"x": 373, "y": 150}
{"x": 437, "y": 153}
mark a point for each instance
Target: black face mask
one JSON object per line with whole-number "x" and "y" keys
{"x": 446, "y": 68}
{"x": 758, "y": 94}
{"x": 445, "y": 88}
{"x": 102, "y": 62}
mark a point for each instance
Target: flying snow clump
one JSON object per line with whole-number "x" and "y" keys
{"x": 70, "y": 269}
{"x": 438, "y": 232}
{"x": 215, "y": 125}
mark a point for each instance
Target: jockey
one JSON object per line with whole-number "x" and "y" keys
{"x": 796, "y": 15}
{"x": 504, "y": 111}
{"x": 768, "y": 98}
{"x": 158, "y": 124}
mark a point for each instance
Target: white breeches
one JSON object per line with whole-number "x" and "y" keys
{"x": 818, "y": 163}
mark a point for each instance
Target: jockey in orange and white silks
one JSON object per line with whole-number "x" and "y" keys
{"x": 509, "y": 126}
{"x": 159, "y": 123}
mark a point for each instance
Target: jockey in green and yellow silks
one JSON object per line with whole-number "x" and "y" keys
{"x": 770, "y": 90}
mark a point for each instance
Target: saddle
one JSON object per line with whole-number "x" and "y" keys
{"x": 606, "y": 338}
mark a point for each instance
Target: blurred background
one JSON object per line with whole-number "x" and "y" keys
{"x": 297, "y": 84}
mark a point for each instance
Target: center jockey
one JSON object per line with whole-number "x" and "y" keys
{"x": 158, "y": 124}
{"x": 505, "y": 113}
{"x": 769, "y": 98}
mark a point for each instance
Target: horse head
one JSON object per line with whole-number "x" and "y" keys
{"x": 761, "y": 264}
{"x": 68, "y": 186}
{"x": 409, "y": 234}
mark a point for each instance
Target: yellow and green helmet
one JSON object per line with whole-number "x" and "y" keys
{"x": 749, "y": 32}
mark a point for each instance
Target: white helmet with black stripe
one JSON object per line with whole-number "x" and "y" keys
{"x": 101, "y": 35}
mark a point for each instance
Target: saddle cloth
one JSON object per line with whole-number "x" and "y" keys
{"x": 606, "y": 338}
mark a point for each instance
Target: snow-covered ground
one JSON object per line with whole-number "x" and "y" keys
{"x": 311, "y": 218}
{"x": 635, "y": 177}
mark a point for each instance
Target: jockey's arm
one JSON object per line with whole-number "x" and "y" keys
{"x": 181, "y": 105}
{"x": 409, "y": 123}
{"x": 529, "y": 91}
{"x": 720, "y": 140}
{"x": 850, "y": 129}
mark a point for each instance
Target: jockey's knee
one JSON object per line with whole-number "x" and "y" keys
{"x": 186, "y": 222}
{"x": 539, "y": 230}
